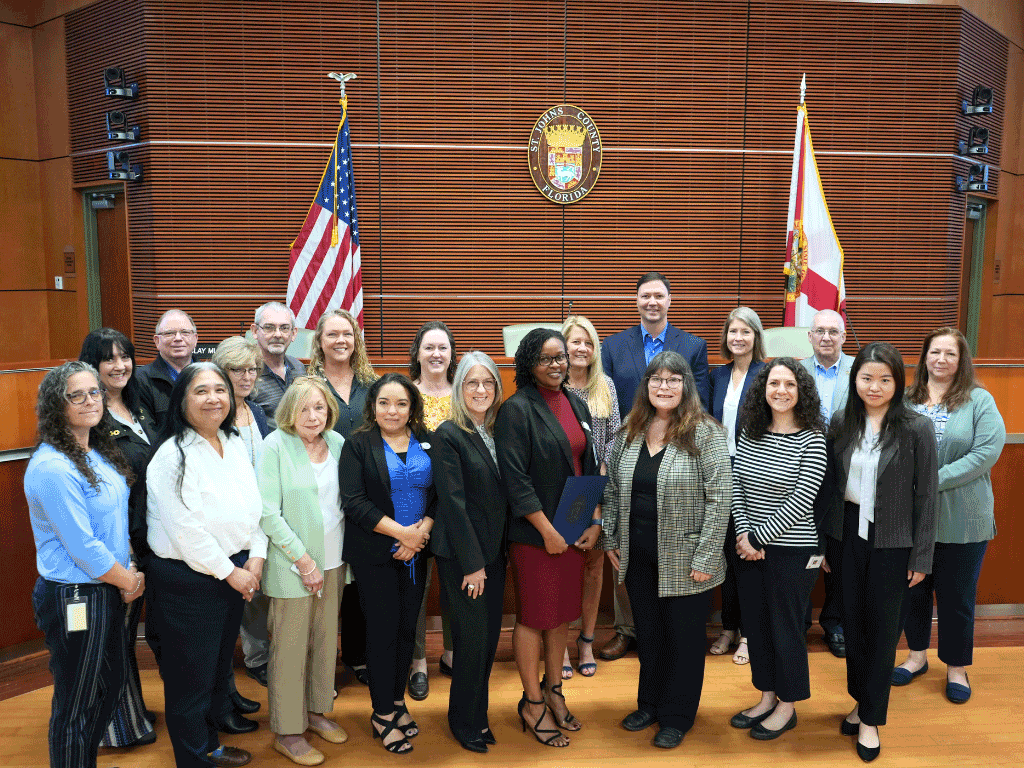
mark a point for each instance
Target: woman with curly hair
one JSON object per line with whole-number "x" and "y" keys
{"x": 543, "y": 436}
{"x": 780, "y": 462}
{"x": 76, "y": 485}
{"x": 338, "y": 354}
{"x": 133, "y": 430}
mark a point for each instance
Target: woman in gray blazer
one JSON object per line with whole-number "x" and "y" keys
{"x": 666, "y": 510}
{"x": 303, "y": 575}
{"x": 970, "y": 433}
{"x": 885, "y": 478}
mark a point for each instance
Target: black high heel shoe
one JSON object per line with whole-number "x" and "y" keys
{"x": 569, "y": 722}
{"x": 399, "y": 746}
{"x": 535, "y": 729}
{"x": 401, "y": 711}
{"x": 487, "y": 736}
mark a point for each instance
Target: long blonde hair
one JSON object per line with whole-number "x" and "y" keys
{"x": 360, "y": 361}
{"x": 599, "y": 395}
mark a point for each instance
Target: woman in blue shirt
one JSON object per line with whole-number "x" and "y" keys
{"x": 77, "y": 491}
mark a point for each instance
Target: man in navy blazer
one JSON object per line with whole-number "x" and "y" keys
{"x": 625, "y": 357}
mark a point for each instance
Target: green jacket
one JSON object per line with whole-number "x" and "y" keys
{"x": 971, "y": 444}
{"x": 292, "y": 518}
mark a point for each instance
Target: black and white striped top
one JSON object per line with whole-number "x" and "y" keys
{"x": 775, "y": 480}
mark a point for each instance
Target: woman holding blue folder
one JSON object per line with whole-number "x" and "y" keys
{"x": 666, "y": 512}
{"x": 543, "y": 436}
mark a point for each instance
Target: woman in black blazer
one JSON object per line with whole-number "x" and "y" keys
{"x": 387, "y": 490}
{"x": 468, "y": 541}
{"x": 131, "y": 426}
{"x": 742, "y": 344}
{"x": 883, "y": 469}
{"x": 543, "y": 437}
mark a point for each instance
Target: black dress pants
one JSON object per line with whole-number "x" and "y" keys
{"x": 773, "y": 596}
{"x": 874, "y": 587}
{"x": 730, "y": 590}
{"x": 197, "y": 618}
{"x": 476, "y": 628}
{"x": 390, "y": 594}
{"x": 670, "y": 636}
{"x": 353, "y": 627}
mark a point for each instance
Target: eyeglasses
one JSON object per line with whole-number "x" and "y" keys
{"x": 557, "y": 359}
{"x": 270, "y": 329}
{"x": 475, "y": 384}
{"x": 674, "y": 383}
{"x": 168, "y": 335}
{"x": 79, "y": 397}
{"x": 251, "y": 371}
{"x": 833, "y": 333}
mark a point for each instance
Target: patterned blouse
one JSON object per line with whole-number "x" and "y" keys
{"x": 939, "y": 415}
{"x": 436, "y": 410}
{"x": 604, "y": 427}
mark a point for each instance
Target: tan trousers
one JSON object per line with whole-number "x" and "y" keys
{"x": 303, "y": 655}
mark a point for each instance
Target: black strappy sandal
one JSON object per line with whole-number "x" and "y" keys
{"x": 535, "y": 729}
{"x": 400, "y": 746}
{"x": 569, "y": 722}
{"x": 401, "y": 711}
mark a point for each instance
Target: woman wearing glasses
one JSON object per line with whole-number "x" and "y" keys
{"x": 666, "y": 511}
{"x": 77, "y": 496}
{"x": 469, "y": 541}
{"x": 543, "y": 437}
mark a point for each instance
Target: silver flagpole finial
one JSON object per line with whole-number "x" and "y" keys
{"x": 342, "y": 79}
{"x": 803, "y": 87}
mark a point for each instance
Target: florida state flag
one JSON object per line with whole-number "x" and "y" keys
{"x": 814, "y": 263}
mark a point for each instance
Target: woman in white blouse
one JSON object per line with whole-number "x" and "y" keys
{"x": 208, "y": 550}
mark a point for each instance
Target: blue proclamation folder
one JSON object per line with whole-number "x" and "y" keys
{"x": 580, "y": 497}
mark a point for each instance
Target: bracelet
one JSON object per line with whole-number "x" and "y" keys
{"x": 138, "y": 583}
{"x": 597, "y": 521}
{"x": 309, "y": 571}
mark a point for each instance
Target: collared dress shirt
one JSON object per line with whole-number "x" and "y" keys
{"x": 825, "y": 380}
{"x": 653, "y": 345}
{"x": 860, "y": 483}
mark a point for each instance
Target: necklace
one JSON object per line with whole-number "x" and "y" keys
{"x": 252, "y": 438}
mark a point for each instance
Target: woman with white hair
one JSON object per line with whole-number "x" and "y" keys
{"x": 469, "y": 541}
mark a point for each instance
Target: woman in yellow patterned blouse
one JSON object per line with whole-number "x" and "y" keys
{"x": 432, "y": 369}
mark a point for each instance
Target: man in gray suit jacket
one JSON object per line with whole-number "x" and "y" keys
{"x": 830, "y": 368}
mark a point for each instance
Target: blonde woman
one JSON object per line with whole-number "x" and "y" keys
{"x": 304, "y": 521}
{"x": 339, "y": 356}
{"x": 588, "y": 381}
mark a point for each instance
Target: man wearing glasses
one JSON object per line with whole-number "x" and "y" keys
{"x": 830, "y": 367}
{"x": 175, "y": 339}
{"x": 625, "y": 357}
{"x": 274, "y": 329}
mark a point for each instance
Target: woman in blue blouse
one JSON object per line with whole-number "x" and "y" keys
{"x": 77, "y": 492}
{"x": 387, "y": 491}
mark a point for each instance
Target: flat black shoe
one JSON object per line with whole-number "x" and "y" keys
{"x": 476, "y": 745}
{"x": 867, "y": 754}
{"x": 487, "y": 736}
{"x": 668, "y": 738}
{"x": 235, "y": 723}
{"x": 259, "y": 674}
{"x": 848, "y": 728}
{"x": 739, "y": 720}
{"x": 836, "y": 643}
{"x": 243, "y": 705}
{"x": 419, "y": 686}
{"x": 362, "y": 675}
{"x": 639, "y": 720}
{"x": 446, "y": 668}
{"x": 149, "y": 715}
{"x": 761, "y": 733}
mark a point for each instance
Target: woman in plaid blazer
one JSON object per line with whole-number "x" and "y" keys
{"x": 666, "y": 510}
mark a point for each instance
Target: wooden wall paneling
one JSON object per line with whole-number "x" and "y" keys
{"x": 21, "y": 247}
{"x": 66, "y": 327}
{"x": 30, "y": 339}
{"x": 983, "y": 61}
{"x": 18, "y": 567}
{"x": 1000, "y": 583}
{"x": 1013, "y": 112}
{"x": 51, "y": 89}
{"x": 60, "y": 226}
{"x": 18, "y": 430}
{"x": 17, "y": 94}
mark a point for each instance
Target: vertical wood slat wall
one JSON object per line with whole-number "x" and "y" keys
{"x": 695, "y": 101}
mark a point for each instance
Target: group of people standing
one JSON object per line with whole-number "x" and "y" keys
{"x": 249, "y": 493}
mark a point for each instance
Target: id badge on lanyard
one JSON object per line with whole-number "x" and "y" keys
{"x": 76, "y": 613}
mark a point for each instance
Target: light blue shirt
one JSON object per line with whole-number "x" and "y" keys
{"x": 653, "y": 345}
{"x": 825, "y": 380}
{"x": 80, "y": 532}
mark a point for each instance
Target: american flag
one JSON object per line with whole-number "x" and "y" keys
{"x": 324, "y": 271}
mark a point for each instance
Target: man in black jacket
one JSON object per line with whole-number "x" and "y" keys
{"x": 175, "y": 339}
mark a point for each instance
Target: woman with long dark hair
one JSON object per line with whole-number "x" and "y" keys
{"x": 76, "y": 485}
{"x": 970, "y": 434}
{"x": 204, "y": 511}
{"x": 666, "y": 510}
{"x": 779, "y": 466}
{"x": 387, "y": 491}
{"x": 885, "y": 466}
{"x": 132, "y": 429}
{"x": 543, "y": 437}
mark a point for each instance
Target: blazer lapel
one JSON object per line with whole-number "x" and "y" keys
{"x": 581, "y": 416}
{"x": 637, "y": 348}
{"x": 888, "y": 452}
{"x": 478, "y": 443}
{"x": 377, "y": 449}
{"x": 547, "y": 416}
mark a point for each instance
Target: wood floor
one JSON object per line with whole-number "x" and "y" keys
{"x": 924, "y": 729}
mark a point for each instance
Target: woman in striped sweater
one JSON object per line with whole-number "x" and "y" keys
{"x": 780, "y": 463}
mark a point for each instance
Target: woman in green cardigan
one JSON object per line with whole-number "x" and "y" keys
{"x": 303, "y": 518}
{"x": 970, "y": 434}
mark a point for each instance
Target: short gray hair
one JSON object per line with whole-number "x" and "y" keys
{"x": 163, "y": 317}
{"x": 258, "y": 318}
{"x": 460, "y": 414}
{"x": 834, "y": 315}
